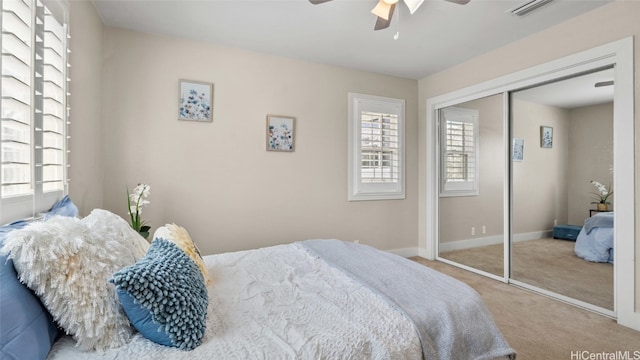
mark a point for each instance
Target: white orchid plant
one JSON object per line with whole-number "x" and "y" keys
{"x": 136, "y": 200}
{"x": 603, "y": 194}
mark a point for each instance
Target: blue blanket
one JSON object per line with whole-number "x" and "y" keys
{"x": 604, "y": 219}
{"x": 450, "y": 317}
{"x": 595, "y": 240}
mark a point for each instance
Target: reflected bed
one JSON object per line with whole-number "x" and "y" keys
{"x": 595, "y": 240}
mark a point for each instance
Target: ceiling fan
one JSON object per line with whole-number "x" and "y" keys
{"x": 384, "y": 9}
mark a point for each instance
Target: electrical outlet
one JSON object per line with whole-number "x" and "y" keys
{"x": 555, "y": 222}
{"x": 356, "y": 241}
{"x": 484, "y": 229}
{"x": 473, "y": 230}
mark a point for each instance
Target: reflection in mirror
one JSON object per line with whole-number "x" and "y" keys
{"x": 471, "y": 207}
{"x": 566, "y": 129}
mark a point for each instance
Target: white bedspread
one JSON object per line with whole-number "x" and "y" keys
{"x": 264, "y": 305}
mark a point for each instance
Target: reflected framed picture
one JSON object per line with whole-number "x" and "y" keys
{"x": 546, "y": 137}
{"x": 281, "y": 133}
{"x": 196, "y": 101}
{"x": 518, "y": 149}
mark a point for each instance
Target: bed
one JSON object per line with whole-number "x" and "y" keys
{"x": 595, "y": 240}
{"x": 314, "y": 299}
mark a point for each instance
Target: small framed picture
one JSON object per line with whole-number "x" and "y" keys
{"x": 518, "y": 149}
{"x": 546, "y": 137}
{"x": 280, "y": 133}
{"x": 196, "y": 101}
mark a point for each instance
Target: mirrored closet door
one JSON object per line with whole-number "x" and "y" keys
{"x": 471, "y": 201}
{"x": 544, "y": 154}
{"x": 561, "y": 169}
{"x": 532, "y": 180}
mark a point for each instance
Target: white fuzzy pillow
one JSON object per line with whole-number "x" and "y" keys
{"x": 67, "y": 262}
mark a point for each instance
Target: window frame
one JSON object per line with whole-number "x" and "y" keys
{"x": 387, "y": 190}
{"x": 459, "y": 188}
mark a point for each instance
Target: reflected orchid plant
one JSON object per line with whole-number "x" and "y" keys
{"x": 603, "y": 194}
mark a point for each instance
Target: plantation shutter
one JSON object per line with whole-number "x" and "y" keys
{"x": 379, "y": 147}
{"x": 17, "y": 91}
{"x": 54, "y": 98}
{"x": 34, "y": 106}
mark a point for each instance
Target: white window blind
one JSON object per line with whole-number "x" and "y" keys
{"x": 459, "y": 150}
{"x": 376, "y": 148}
{"x": 34, "y": 106}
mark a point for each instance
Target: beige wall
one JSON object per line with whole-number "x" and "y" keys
{"x": 600, "y": 26}
{"x": 540, "y": 195}
{"x": 86, "y": 171}
{"x": 459, "y": 214}
{"x": 590, "y": 157}
{"x": 216, "y": 179}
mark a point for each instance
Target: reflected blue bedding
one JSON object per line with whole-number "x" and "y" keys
{"x": 595, "y": 241}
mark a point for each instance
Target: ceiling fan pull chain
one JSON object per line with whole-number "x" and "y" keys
{"x": 397, "y": 35}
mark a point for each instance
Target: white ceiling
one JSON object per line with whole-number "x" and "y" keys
{"x": 572, "y": 93}
{"x": 340, "y": 32}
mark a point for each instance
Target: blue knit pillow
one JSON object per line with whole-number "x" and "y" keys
{"x": 164, "y": 296}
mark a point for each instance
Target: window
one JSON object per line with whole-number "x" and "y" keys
{"x": 376, "y": 148}
{"x": 34, "y": 106}
{"x": 459, "y": 152}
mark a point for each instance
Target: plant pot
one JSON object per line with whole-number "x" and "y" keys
{"x": 602, "y": 207}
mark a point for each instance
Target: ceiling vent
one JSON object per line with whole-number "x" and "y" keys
{"x": 604, "y": 83}
{"x": 527, "y": 7}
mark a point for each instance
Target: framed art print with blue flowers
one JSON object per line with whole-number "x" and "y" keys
{"x": 546, "y": 137}
{"x": 196, "y": 101}
{"x": 280, "y": 133}
{"x": 518, "y": 149}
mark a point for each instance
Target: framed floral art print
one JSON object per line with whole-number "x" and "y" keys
{"x": 518, "y": 149}
{"x": 546, "y": 137}
{"x": 280, "y": 133}
{"x": 196, "y": 101}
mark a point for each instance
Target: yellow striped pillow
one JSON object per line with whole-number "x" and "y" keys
{"x": 179, "y": 236}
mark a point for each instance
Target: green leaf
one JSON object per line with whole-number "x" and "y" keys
{"x": 145, "y": 228}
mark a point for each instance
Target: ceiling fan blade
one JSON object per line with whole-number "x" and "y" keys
{"x": 382, "y": 23}
{"x": 460, "y": 2}
{"x": 384, "y": 10}
{"x": 316, "y": 2}
{"x": 413, "y": 5}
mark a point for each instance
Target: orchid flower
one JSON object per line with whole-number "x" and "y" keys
{"x": 603, "y": 193}
{"x": 136, "y": 200}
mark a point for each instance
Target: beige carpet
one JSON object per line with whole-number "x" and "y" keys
{"x": 550, "y": 264}
{"x": 538, "y": 327}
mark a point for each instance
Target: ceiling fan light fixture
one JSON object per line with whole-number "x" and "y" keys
{"x": 382, "y": 10}
{"x": 413, "y": 5}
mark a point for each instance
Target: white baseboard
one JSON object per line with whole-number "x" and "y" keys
{"x": 406, "y": 252}
{"x": 492, "y": 240}
{"x": 533, "y": 235}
